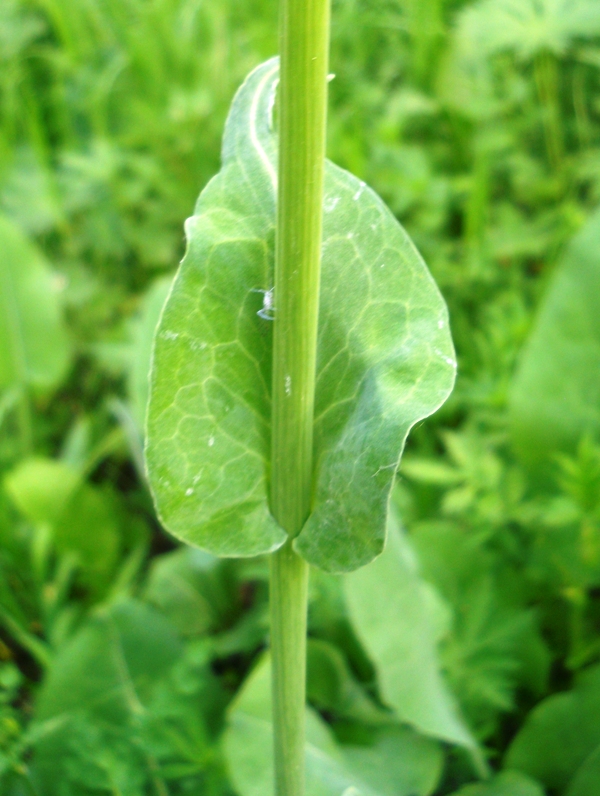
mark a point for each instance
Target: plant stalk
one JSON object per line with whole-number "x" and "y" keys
{"x": 304, "y": 45}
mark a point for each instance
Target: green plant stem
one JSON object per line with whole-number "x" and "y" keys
{"x": 304, "y": 45}
{"x": 289, "y": 591}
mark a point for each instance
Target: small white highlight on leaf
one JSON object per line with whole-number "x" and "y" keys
{"x": 382, "y": 265}
{"x": 169, "y": 335}
{"x": 331, "y": 203}
{"x": 358, "y": 194}
{"x": 350, "y": 235}
{"x": 189, "y": 492}
{"x": 351, "y": 791}
{"x": 211, "y": 442}
{"x": 288, "y": 385}
{"x": 330, "y": 77}
{"x": 440, "y": 324}
{"x": 447, "y": 360}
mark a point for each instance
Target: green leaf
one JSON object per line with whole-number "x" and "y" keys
{"x": 79, "y": 516}
{"x": 194, "y": 589}
{"x": 34, "y": 349}
{"x": 328, "y": 619}
{"x": 555, "y": 396}
{"x": 397, "y": 619}
{"x": 331, "y": 687}
{"x": 110, "y": 665}
{"x": 587, "y": 779}
{"x": 330, "y": 768}
{"x": 384, "y": 360}
{"x": 508, "y": 783}
{"x": 399, "y": 762}
{"x": 560, "y": 733}
{"x": 41, "y": 487}
{"x": 104, "y": 676}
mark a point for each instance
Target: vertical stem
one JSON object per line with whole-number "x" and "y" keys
{"x": 289, "y": 591}
{"x": 304, "y": 47}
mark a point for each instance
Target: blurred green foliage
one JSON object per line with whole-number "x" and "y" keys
{"x": 123, "y": 659}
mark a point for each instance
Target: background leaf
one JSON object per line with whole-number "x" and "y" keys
{"x": 79, "y": 516}
{"x": 400, "y": 761}
{"x": 587, "y": 778}
{"x": 555, "y": 395}
{"x": 385, "y": 359}
{"x": 34, "y": 349}
{"x": 105, "y": 675}
{"x": 508, "y": 783}
{"x": 560, "y": 734}
{"x": 397, "y": 620}
{"x": 330, "y": 768}
{"x": 194, "y": 589}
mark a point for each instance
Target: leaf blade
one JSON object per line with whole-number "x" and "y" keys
{"x": 383, "y": 364}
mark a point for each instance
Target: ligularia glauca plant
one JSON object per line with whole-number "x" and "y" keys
{"x": 302, "y": 338}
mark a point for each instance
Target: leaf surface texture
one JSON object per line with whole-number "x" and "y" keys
{"x": 385, "y": 359}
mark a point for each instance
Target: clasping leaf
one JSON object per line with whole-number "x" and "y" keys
{"x": 385, "y": 358}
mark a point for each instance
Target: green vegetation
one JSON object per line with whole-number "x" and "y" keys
{"x": 130, "y": 665}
